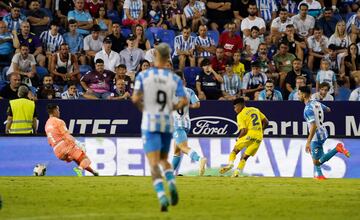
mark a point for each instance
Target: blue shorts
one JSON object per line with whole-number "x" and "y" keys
{"x": 156, "y": 141}
{"x": 317, "y": 149}
{"x": 180, "y": 135}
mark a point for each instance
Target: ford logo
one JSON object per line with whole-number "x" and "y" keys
{"x": 213, "y": 125}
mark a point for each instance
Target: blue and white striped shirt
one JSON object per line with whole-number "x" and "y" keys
{"x": 232, "y": 85}
{"x": 182, "y": 117}
{"x": 207, "y": 42}
{"x": 314, "y": 113}
{"x": 181, "y": 44}
{"x": 51, "y": 43}
{"x": 14, "y": 24}
{"x": 159, "y": 88}
{"x": 135, "y": 7}
{"x": 266, "y": 8}
{"x": 352, "y": 20}
{"x": 190, "y": 10}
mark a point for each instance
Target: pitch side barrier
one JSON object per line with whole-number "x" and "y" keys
{"x": 105, "y": 118}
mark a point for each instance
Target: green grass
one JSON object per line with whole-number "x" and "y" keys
{"x": 39, "y": 198}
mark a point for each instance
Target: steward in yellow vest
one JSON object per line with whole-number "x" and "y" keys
{"x": 21, "y": 114}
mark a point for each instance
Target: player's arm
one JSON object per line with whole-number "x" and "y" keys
{"x": 195, "y": 105}
{"x": 181, "y": 103}
{"x": 311, "y": 135}
{"x": 180, "y": 92}
{"x": 265, "y": 123}
{"x": 8, "y": 124}
{"x": 325, "y": 108}
{"x": 194, "y": 101}
{"x": 137, "y": 97}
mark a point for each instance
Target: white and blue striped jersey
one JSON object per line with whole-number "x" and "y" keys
{"x": 206, "y": 42}
{"x": 51, "y": 43}
{"x": 159, "y": 88}
{"x": 314, "y": 113}
{"x": 352, "y": 20}
{"x": 181, "y": 116}
{"x": 190, "y": 10}
{"x": 135, "y": 7}
{"x": 182, "y": 44}
{"x": 266, "y": 8}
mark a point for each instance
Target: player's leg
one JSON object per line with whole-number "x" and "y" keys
{"x": 152, "y": 147}
{"x": 338, "y": 149}
{"x": 316, "y": 153}
{"x": 168, "y": 171}
{"x": 250, "y": 151}
{"x": 239, "y": 145}
{"x": 84, "y": 164}
{"x": 176, "y": 158}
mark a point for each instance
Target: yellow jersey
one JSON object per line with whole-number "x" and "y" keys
{"x": 239, "y": 69}
{"x": 251, "y": 119}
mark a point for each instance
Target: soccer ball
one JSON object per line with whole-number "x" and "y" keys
{"x": 39, "y": 170}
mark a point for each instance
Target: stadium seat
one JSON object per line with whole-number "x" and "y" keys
{"x": 150, "y": 36}
{"x": 154, "y": 30}
{"x": 215, "y": 36}
{"x": 84, "y": 69}
{"x": 41, "y": 71}
{"x": 3, "y": 83}
{"x": 3, "y": 73}
{"x": 167, "y": 36}
{"x": 348, "y": 16}
{"x": 190, "y": 74}
{"x": 126, "y": 32}
{"x": 343, "y": 94}
{"x": 113, "y": 15}
{"x": 48, "y": 13}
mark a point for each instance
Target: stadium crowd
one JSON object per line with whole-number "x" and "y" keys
{"x": 259, "y": 49}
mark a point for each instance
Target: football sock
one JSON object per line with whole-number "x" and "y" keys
{"x": 241, "y": 165}
{"x": 317, "y": 170}
{"x": 169, "y": 176}
{"x": 232, "y": 157}
{"x": 328, "y": 156}
{"x": 176, "y": 162}
{"x": 194, "y": 156}
{"x": 159, "y": 187}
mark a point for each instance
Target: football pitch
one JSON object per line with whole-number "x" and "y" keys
{"x": 125, "y": 197}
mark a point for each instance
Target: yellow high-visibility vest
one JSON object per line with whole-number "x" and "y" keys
{"x": 23, "y": 113}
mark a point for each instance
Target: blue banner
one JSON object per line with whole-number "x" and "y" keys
{"x": 213, "y": 118}
{"x": 276, "y": 157}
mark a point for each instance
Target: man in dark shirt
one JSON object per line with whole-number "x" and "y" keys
{"x": 208, "y": 82}
{"x": 118, "y": 40}
{"x": 290, "y": 79}
{"x": 48, "y": 90}
{"x": 327, "y": 22}
{"x": 240, "y": 9}
{"x": 219, "y": 13}
{"x": 37, "y": 18}
{"x": 294, "y": 41}
{"x": 10, "y": 91}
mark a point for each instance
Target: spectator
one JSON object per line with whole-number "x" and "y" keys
{"x": 353, "y": 26}
{"x": 143, "y": 65}
{"x": 300, "y": 81}
{"x": 21, "y": 114}
{"x": 314, "y": 7}
{"x": 340, "y": 38}
{"x": 184, "y": 48}
{"x": 37, "y": 18}
{"x": 14, "y": 18}
{"x": 48, "y": 90}
{"x": 334, "y": 59}
{"x": 75, "y": 41}
{"x": 111, "y": 58}
{"x": 204, "y": 45}
{"x": 230, "y": 41}
{"x": 343, "y": 91}
{"x": 51, "y": 40}
{"x": 121, "y": 75}
{"x": 195, "y": 14}
{"x": 64, "y": 66}
{"x": 355, "y": 94}
{"x": 266, "y": 64}
{"x": 155, "y": 14}
{"x": 218, "y": 62}
{"x": 97, "y": 83}
{"x": 283, "y": 63}
{"x": 131, "y": 56}
{"x": 290, "y": 5}
{"x": 240, "y": 9}
{"x": 351, "y": 61}
{"x": 71, "y": 92}
{"x": 133, "y": 14}
{"x": 82, "y": 17}
{"x": 292, "y": 76}
{"x": 268, "y": 9}
{"x": 150, "y": 54}
{"x": 219, "y": 13}
{"x": 238, "y": 67}
{"x": 317, "y": 45}
{"x": 141, "y": 42}
{"x": 295, "y": 43}
{"x": 120, "y": 92}
{"x": 11, "y": 89}
{"x": 254, "y": 80}
{"x": 62, "y": 8}
{"x": 33, "y": 42}
{"x": 24, "y": 63}
{"x": 102, "y": 20}
{"x": 93, "y": 42}
{"x": 231, "y": 87}
{"x": 118, "y": 40}
{"x": 7, "y": 43}
{"x": 303, "y": 23}
{"x": 93, "y": 7}
{"x": 270, "y": 93}
{"x": 278, "y": 25}
{"x": 328, "y": 22}
{"x": 208, "y": 82}
{"x": 251, "y": 21}
{"x": 323, "y": 93}
{"x": 175, "y": 15}
{"x": 252, "y": 43}
{"x": 326, "y": 75}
